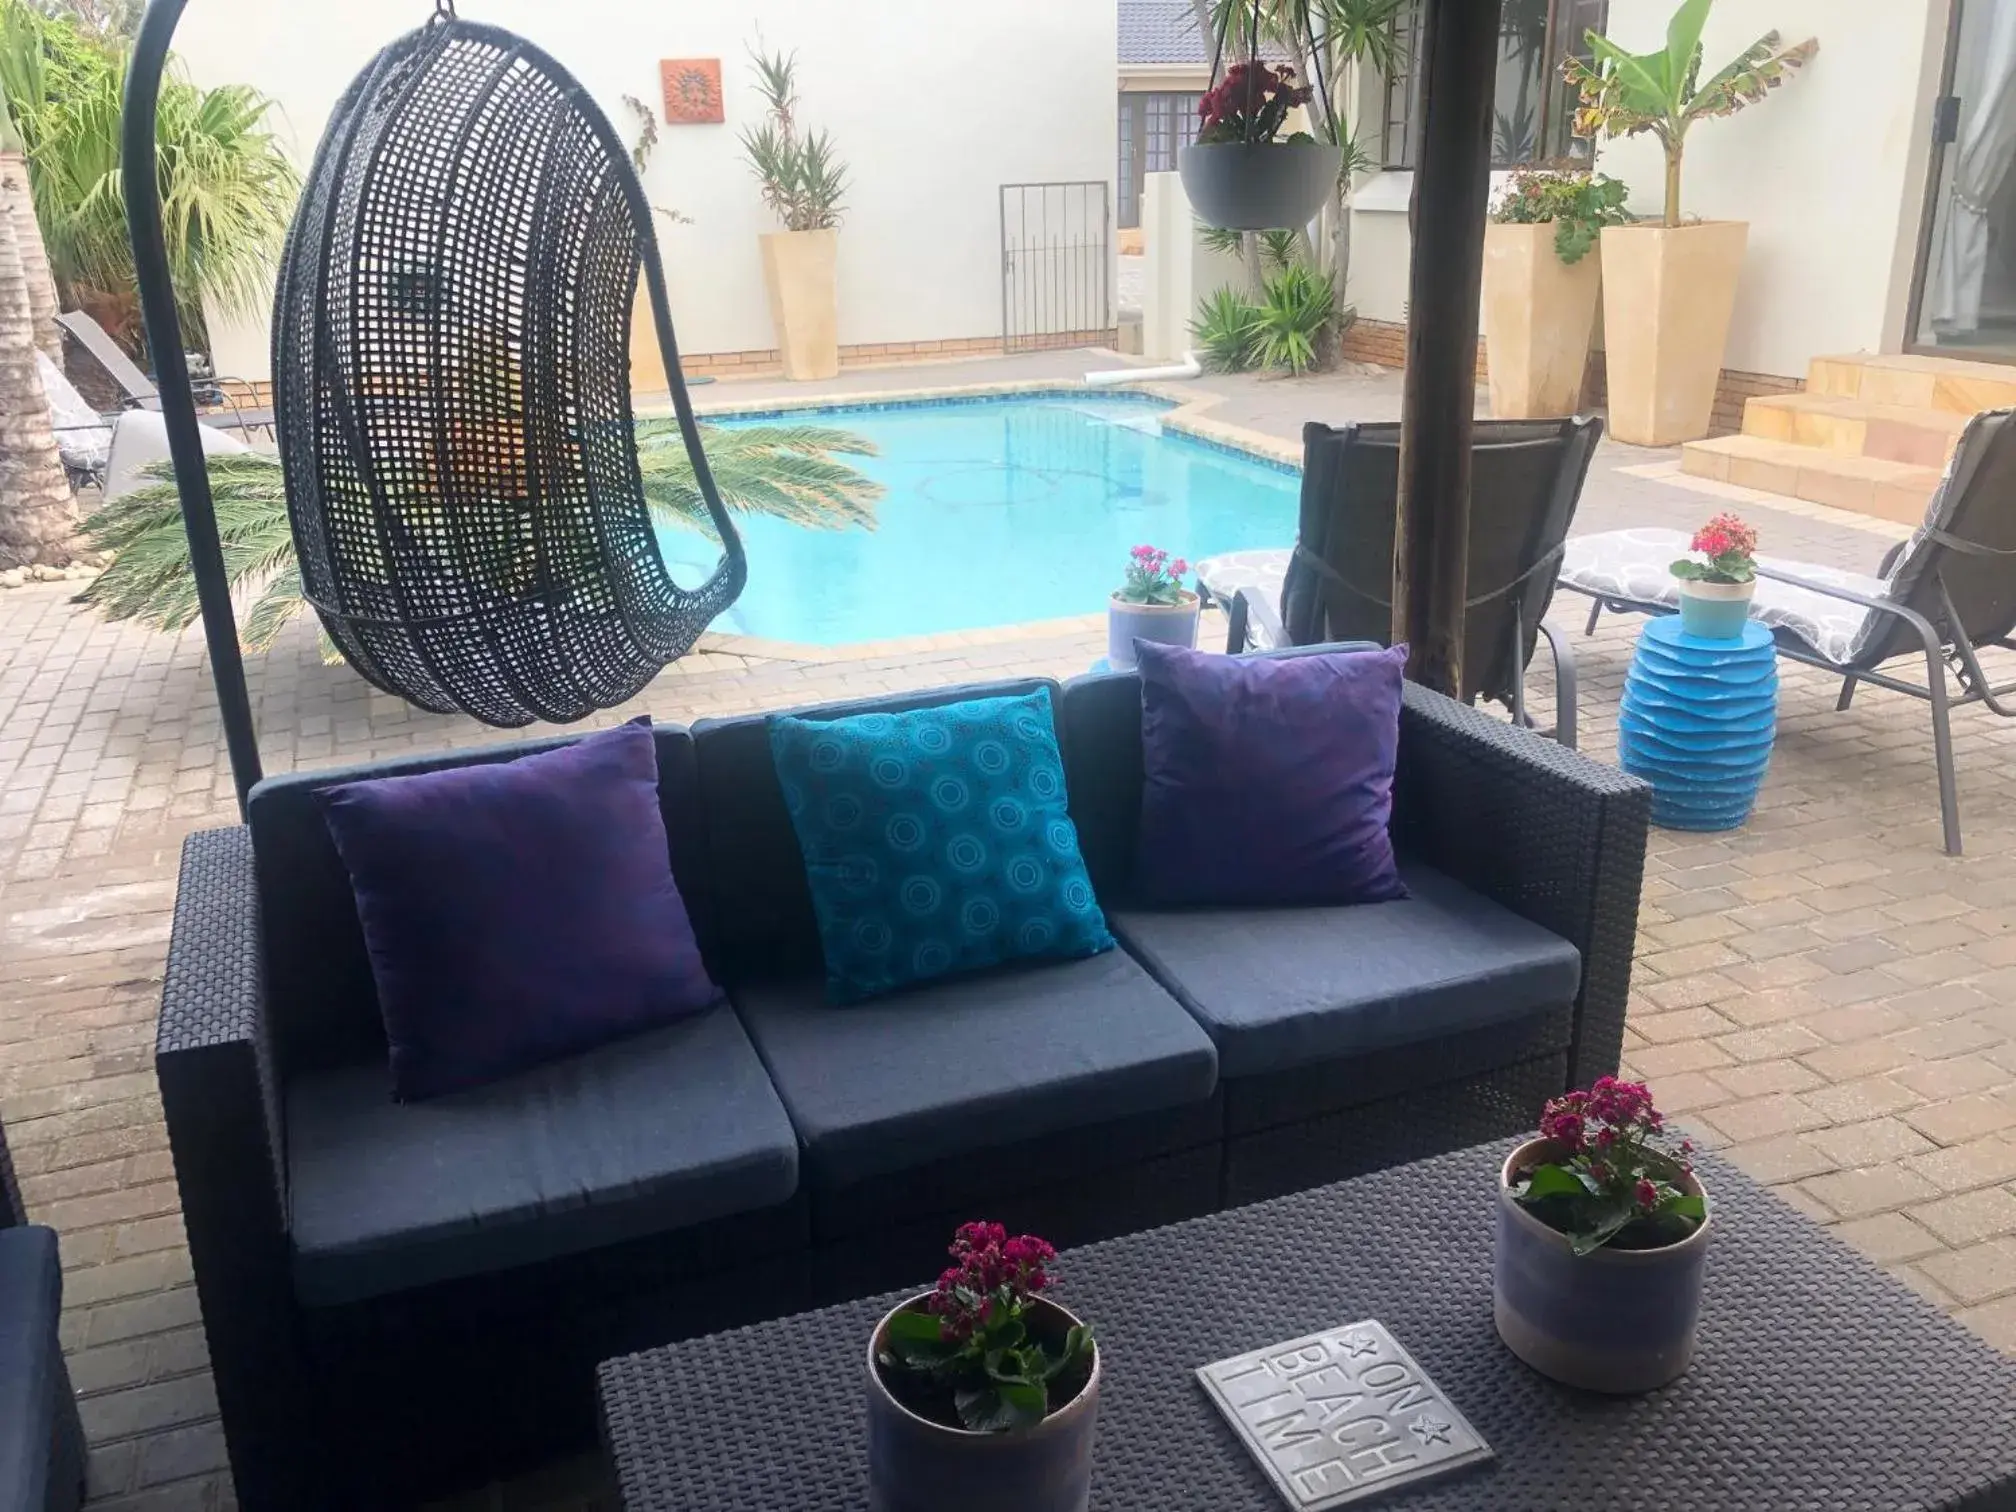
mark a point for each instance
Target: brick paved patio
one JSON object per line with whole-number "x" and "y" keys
{"x": 1824, "y": 992}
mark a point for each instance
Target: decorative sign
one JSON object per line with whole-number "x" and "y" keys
{"x": 692, "y": 90}
{"x": 1340, "y": 1415}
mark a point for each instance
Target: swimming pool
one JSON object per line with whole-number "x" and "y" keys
{"x": 998, "y": 511}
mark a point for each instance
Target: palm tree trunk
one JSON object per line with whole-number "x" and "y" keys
{"x": 14, "y": 185}
{"x": 42, "y": 305}
{"x": 38, "y": 513}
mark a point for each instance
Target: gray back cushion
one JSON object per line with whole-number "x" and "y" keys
{"x": 1976, "y": 503}
{"x": 318, "y": 976}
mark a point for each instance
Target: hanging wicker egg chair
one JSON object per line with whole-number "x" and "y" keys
{"x": 452, "y": 390}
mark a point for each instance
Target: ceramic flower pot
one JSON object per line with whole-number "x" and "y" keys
{"x": 916, "y": 1465}
{"x": 1258, "y": 186}
{"x": 1616, "y": 1321}
{"x": 1669, "y": 295}
{"x": 1539, "y": 313}
{"x": 1715, "y": 611}
{"x": 799, "y": 277}
{"x": 1171, "y": 624}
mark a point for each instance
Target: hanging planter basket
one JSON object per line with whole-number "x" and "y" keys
{"x": 1259, "y": 186}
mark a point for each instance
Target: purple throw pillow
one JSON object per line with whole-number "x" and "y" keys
{"x": 1268, "y": 782}
{"x": 519, "y": 912}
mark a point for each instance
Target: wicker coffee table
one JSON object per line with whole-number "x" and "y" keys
{"x": 1820, "y": 1382}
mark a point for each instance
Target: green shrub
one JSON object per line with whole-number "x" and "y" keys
{"x": 1579, "y": 205}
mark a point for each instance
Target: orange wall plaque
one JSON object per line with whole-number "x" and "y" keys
{"x": 692, "y": 90}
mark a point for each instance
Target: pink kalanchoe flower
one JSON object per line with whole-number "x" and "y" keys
{"x": 1647, "y": 1194}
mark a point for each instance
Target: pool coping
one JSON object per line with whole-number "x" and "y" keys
{"x": 1188, "y": 417}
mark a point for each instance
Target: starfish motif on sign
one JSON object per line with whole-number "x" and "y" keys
{"x": 1358, "y": 1345}
{"x": 1429, "y": 1430}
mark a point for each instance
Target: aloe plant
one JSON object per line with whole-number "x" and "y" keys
{"x": 1295, "y": 320}
{"x": 1225, "y": 329}
{"x": 802, "y": 177}
{"x": 1661, "y": 92}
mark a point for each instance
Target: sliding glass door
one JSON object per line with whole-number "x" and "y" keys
{"x": 1966, "y": 303}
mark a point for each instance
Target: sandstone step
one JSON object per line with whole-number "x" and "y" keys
{"x": 1945, "y": 383}
{"x": 1867, "y": 485}
{"x": 1857, "y": 427}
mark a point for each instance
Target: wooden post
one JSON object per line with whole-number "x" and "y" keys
{"x": 1452, "y": 185}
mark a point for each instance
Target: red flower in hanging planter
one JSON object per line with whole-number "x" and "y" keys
{"x": 1251, "y": 104}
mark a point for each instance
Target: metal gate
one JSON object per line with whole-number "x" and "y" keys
{"x": 1056, "y": 265}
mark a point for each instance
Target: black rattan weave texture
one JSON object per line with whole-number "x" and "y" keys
{"x": 1821, "y": 1384}
{"x": 452, "y": 389}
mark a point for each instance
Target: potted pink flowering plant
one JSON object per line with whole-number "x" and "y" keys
{"x": 1602, "y": 1231}
{"x": 983, "y": 1393}
{"x": 1719, "y": 580}
{"x": 1152, "y": 604}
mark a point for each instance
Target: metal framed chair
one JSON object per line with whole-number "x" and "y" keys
{"x": 141, "y": 393}
{"x": 1943, "y": 596}
{"x": 1336, "y": 583}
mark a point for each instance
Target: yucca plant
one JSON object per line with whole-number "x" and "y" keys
{"x": 788, "y": 472}
{"x": 226, "y": 187}
{"x": 1226, "y": 330}
{"x": 802, "y": 177}
{"x": 1661, "y": 92}
{"x": 1294, "y": 321}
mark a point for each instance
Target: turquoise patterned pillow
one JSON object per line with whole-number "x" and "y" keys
{"x": 936, "y": 841}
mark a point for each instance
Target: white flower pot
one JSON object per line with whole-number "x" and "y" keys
{"x": 1616, "y": 1321}
{"x": 1715, "y": 611}
{"x": 1171, "y": 624}
{"x": 916, "y": 1465}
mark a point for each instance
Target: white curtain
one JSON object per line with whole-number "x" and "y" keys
{"x": 1977, "y": 164}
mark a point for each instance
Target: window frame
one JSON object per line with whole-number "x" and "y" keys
{"x": 1400, "y": 90}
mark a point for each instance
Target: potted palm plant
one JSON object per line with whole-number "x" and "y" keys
{"x": 1669, "y": 290}
{"x": 1602, "y": 1234}
{"x": 1241, "y": 173}
{"x": 803, "y": 183}
{"x": 983, "y": 1394}
{"x": 1150, "y": 604}
{"x": 1541, "y": 281}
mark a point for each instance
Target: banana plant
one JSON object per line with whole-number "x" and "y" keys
{"x": 1625, "y": 93}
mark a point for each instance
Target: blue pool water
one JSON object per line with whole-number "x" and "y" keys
{"x": 998, "y": 511}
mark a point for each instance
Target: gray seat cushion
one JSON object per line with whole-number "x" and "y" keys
{"x": 972, "y": 1063}
{"x": 33, "y": 1381}
{"x": 32, "y": 1378}
{"x": 646, "y": 1135}
{"x": 1279, "y": 988}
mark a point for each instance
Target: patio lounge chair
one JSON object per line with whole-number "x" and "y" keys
{"x": 1336, "y": 584}
{"x": 1946, "y": 594}
{"x": 83, "y": 436}
{"x": 41, "y": 1437}
{"x": 223, "y": 393}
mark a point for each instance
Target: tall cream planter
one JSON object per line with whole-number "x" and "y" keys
{"x": 804, "y": 304}
{"x": 1538, "y": 315}
{"x": 1668, "y": 295}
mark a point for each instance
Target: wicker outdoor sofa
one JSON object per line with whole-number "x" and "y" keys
{"x": 395, "y": 1304}
{"x": 41, "y": 1435}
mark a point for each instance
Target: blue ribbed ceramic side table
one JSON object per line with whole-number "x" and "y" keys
{"x": 1697, "y": 722}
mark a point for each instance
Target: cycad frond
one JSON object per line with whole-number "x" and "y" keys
{"x": 787, "y": 471}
